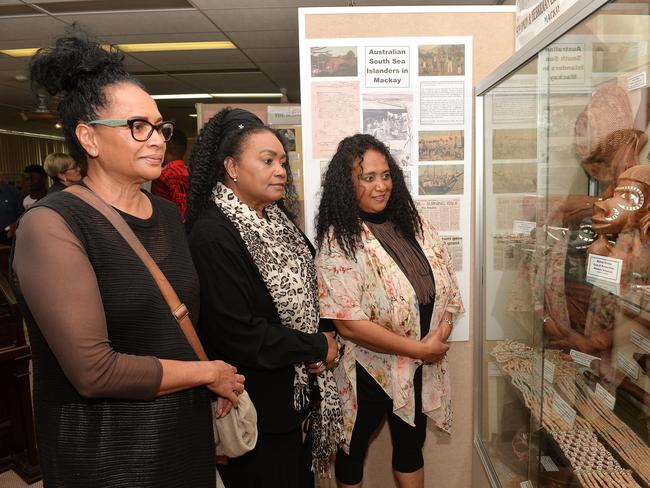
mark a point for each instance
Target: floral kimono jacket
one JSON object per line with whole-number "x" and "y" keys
{"x": 374, "y": 288}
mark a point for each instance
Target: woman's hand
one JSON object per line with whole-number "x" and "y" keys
{"x": 445, "y": 327}
{"x": 330, "y": 359}
{"x": 226, "y": 382}
{"x": 222, "y": 407}
{"x": 434, "y": 347}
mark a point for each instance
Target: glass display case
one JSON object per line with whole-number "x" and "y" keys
{"x": 564, "y": 238}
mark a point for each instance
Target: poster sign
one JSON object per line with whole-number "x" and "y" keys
{"x": 387, "y": 67}
{"x": 414, "y": 94}
{"x": 533, "y": 16}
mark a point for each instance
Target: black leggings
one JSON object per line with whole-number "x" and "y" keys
{"x": 373, "y": 403}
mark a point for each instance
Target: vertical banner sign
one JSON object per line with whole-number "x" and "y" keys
{"x": 413, "y": 94}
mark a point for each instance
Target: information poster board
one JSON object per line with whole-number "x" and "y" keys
{"x": 415, "y": 95}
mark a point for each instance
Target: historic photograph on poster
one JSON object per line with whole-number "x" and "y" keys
{"x": 442, "y": 102}
{"x": 441, "y": 60}
{"x": 335, "y": 115}
{"x": 441, "y": 145}
{"x": 334, "y": 61}
{"x": 455, "y": 249}
{"x": 387, "y": 116}
{"x": 444, "y": 215}
{"x": 514, "y": 143}
{"x": 289, "y": 137}
{"x": 514, "y": 178}
{"x": 446, "y": 179}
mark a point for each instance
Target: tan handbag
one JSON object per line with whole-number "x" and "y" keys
{"x": 236, "y": 433}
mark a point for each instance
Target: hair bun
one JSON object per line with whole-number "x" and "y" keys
{"x": 73, "y": 59}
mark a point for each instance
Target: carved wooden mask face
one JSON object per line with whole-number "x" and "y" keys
{"x": 624, "y": 210}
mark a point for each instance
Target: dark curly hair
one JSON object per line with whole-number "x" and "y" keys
{"x": 218, "y": 140}
{"x": 80, "y": 69}
{"x": 338, "y": 210}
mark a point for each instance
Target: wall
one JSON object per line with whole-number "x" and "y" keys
{"x": 17, "y": 151}
{"x": 449, "y": 461}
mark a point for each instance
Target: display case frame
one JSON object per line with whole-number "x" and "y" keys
{"x": 572, "y": 17}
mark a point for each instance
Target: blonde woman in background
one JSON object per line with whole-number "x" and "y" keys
{"x": 63, "y": 170}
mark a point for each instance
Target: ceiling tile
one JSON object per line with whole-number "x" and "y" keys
{"x": 143, "y": 23}
{"x": 219, "y": 58}
{"x": 213, "y": 35}
{"x": 264, "y": 55}
{"x": 276, "y": 38}
{"x": 254, "y": 4}
{"x": 255, "y": 19}
{"x": 213, "y": 83}
{"x": 15, "y": 28}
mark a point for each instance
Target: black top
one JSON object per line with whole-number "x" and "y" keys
{"x": 240, "y": 324}
{"x": 113, "y": 436}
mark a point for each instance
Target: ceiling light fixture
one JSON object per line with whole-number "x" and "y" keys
{"x": 20, "y": 53}
{"x": 183, "y": 96}
{"x": 141, "y": 48}
{"x": 176, "y": 46}
{"x": 246, "y": 95}
{"x": 180, "y": 96}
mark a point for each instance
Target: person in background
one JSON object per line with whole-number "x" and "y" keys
{"x": 386, "y": 280}
{"x": 63, "y": 170}
{"x": 11, "y": 206}
{"x": 36, "y": 179}
{"x": 172, "y": 184}
{"x": 119, "y": 394}
{"x": 259, "y": 302}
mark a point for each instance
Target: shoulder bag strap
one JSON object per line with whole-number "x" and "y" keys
{"x": 177, "y": 308}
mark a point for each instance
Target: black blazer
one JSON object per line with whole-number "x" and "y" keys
{"x": 239, "y": 323}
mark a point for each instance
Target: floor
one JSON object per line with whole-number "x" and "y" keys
{"x": 9, "y": 479}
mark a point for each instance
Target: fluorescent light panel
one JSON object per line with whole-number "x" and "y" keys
{"x": 142, "y": 48}
{"x": 182, "y": 96}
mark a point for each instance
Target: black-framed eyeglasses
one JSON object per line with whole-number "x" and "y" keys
{"x": 141, "y": 129}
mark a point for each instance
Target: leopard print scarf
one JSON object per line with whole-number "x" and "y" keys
{"x": 287, "y": 268}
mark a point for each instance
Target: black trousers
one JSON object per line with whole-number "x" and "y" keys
{"x": 407, "y": 441}
{"x": 278, "y": 461}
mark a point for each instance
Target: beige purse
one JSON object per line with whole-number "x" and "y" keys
{"x": 236, "y": 433}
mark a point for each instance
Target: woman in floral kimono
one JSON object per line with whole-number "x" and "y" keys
{"x": 386, "y": 279}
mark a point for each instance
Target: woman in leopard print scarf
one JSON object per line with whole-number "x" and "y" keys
{"x": 259, "y": 300}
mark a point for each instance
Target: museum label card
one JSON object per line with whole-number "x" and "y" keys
{"x": 581, "y": 358}
{"x": 640, "y": 341}
{"x": 607, "y": 398}
{"x": 604, "y": 268}
{"x": 523, "y": 227}
{"x": 636, "y": 81}
{"x": 549, "y": 371}
{"x": 548, "y": 463}
{"x": 628, "y": 366}
{"x": 564, "y": 410}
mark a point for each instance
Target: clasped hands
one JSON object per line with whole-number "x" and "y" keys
{"x": 228, "y": 385}
{"x": 435, "y": 344}
{"x": 332, "y": 358}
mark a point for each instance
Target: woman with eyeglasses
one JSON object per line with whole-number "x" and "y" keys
{"x": 63, "y": 169}
{"x": 119, "y": 395}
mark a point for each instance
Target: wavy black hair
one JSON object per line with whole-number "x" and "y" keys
{"x": 338, "y": 210}
{"x": 218, "y": 140}
{"x": 78, "y": 68}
